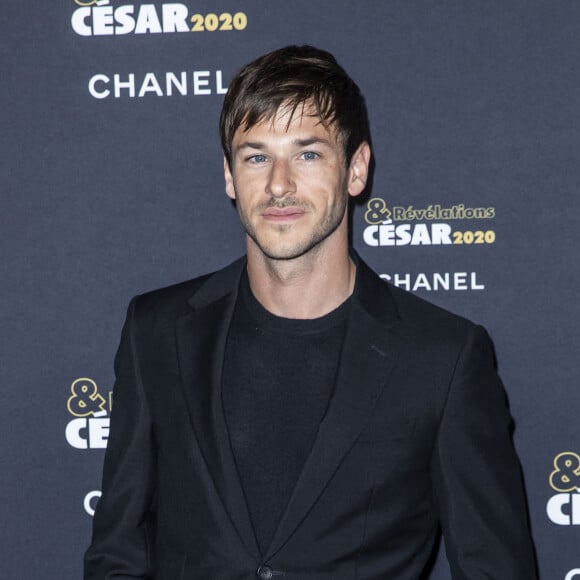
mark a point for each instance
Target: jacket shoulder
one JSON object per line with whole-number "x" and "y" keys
{"x": 414, "y": 308}
{"x": 174, "y": 300}
{"x": 171, "y": 298}
{"x": 438, "y": 334}
{"x": 386, "y": 301}
{"x": 430, "y": 325}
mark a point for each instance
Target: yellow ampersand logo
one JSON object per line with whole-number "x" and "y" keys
{"x": 377, "y": 211}
{"x": 566, "y": 475}
{"x": 85, "y": 399}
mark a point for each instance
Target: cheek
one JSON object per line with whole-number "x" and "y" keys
{"x": 319, "y": 186}
{"x": 248, "y": 186}
{"x": 331, "y": 182}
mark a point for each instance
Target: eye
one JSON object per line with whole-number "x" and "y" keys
{"x": 257, "y": 158}
{"x": 309, "y": 155}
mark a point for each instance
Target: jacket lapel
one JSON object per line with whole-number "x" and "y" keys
{"x": 369, "y": 352}
{"x": 201, "y": 337}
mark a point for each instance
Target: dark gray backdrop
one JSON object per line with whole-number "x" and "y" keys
{"x": 472, "y": 103}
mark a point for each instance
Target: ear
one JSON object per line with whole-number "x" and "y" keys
{"x": 358, "y": 170}
{"x": 230, "y": 189}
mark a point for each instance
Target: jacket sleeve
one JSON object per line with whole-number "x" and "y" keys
{"x": 476, "y": 474}
{"x": 122, "y": 542}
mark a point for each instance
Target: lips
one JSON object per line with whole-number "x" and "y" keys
{"x": 281, "y": 214}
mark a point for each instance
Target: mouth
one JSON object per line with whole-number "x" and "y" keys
{"x": 275, "y": 214}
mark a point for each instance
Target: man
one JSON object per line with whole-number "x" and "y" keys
{"x": 293, "y": 415}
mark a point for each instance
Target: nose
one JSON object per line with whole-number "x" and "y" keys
{"x": 280, "y": 182}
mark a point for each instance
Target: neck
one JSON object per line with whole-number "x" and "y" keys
{"x": 306, "y": 287}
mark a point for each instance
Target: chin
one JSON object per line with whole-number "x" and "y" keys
{"x": 281, "y": 251}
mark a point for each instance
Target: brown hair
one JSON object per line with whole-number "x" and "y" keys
{"x": 295, "y": 76}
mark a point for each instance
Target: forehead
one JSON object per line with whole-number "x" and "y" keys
{"x": 291, "y": 122}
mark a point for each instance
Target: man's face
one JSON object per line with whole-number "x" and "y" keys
{"x": 291, "y": 183}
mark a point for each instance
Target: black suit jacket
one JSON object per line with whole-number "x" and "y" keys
{"x": 416, "y": 437}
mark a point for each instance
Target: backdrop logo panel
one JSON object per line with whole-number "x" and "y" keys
{"x": 168, "y": 84}
{"x": 91, "y": 500}
{"x": 573, "y": 574}
{"x": 100, "y": 18}
{"x": 435, "y": 281}
{"x": 563, "y": 508}
{"x": 433, "y": 225}
{"x": 90, "y": 427}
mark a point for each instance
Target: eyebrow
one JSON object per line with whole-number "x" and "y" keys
{"x": 297, "y": 142}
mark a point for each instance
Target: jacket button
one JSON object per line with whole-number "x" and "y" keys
{"x": 264, "y": 572}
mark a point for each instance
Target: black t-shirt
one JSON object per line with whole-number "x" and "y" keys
{"x": 278, "y": 377}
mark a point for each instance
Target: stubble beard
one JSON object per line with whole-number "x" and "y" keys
{"x": 291, "y": 249}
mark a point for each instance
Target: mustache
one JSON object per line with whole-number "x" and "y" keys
{"x": 284, "y": 203}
